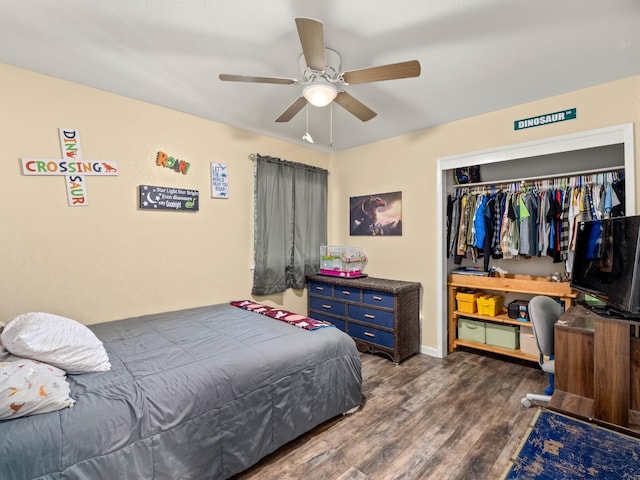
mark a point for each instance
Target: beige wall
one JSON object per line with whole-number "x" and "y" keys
{"x": 110, "y": 260}
{"x": 408, "y": 163}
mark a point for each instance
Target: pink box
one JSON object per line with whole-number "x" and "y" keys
{"x": 338, "y": 273}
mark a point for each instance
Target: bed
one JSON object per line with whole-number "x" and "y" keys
{"x": 200, "y": 393}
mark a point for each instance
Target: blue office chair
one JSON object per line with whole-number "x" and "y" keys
{"x": 544, "y": 312}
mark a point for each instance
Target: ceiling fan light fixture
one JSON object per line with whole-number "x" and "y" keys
{"x": 319, "y": 94}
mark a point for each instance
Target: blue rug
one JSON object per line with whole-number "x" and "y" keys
{"x": 560, "y": 447}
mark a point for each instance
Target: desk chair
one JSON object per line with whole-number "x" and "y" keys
{"x": 544, "y": 312}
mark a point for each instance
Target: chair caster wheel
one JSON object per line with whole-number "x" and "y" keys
{"x": 526, "y": 403}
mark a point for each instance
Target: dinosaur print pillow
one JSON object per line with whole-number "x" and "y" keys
{"x": 28, "y": 387}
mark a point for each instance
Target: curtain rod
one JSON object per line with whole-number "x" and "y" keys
{"x": 544, "y": 177}
{"x": 253, "y": 157}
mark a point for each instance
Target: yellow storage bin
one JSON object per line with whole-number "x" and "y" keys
{"x": 467, "y": 300}
{"x": 490, "y": 305}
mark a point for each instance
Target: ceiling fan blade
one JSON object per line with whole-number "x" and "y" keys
{"x": 291, "y": 111}
{"x": 311, "y": 35}
{"x": 383, "y": 72}
{"x": 354, "y": 106}
{"x": 247, "y": 78}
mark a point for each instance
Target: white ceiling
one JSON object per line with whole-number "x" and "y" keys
{"x": 477, "y": 56}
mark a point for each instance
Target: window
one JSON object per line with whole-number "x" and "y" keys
{"x": 290, "y": 223}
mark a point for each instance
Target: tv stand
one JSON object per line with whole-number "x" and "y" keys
{"x": 597, "y": 367}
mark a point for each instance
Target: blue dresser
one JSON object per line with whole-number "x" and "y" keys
{"x": 382, "y": 316}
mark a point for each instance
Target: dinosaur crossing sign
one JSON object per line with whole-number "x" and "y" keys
{"x": 72, "y": 166}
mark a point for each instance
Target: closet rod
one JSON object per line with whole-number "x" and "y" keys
{"x": 543, "y": 177}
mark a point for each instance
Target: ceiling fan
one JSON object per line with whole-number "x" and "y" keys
{"x": 323, "y": 80}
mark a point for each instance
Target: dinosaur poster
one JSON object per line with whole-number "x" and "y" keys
{"x": 168, "y": 198}
{"x": 377, "y": 214}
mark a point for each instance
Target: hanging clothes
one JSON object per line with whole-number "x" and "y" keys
{"x": 523, "y": 221}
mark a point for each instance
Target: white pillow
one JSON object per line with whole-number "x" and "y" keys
{"x": 28, "y": 387}
{"x": 56, "y": 340}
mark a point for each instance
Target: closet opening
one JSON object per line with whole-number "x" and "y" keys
{"x": 593, "y": 156}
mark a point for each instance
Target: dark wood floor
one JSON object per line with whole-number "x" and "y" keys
{"x": 428, "y": 418}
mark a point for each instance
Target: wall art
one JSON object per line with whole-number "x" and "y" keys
{"x": 219, "y": 180}
{"x": 168, "y": 198}
{"x": 173, "y": 163}
{"x": 377, "y": 214}
{"x": 72, "y": 166}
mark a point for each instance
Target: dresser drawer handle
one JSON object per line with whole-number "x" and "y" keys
{"x": 379, "y": 299}
{"x": 368, "y": 315}
{"x": 328, "y": 307}
{"x": 369, "y": 334}
{"x": 320, "y": 288}
{"x": 344, "y": 292}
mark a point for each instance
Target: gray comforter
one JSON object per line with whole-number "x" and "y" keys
{"x": 201, "y": 393}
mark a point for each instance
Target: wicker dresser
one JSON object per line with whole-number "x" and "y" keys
{"x": 382, "y": 316}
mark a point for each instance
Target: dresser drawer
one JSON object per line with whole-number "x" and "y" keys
{"x": 379, "y": 299}
{"x": 340, "y": 324}
{"x": 371, "y": 315}
{"x": 346, "y": 293}
{"x": 319, "y": 288}
{"x": 372, "y": 335}
{"x": 327, "y": 306}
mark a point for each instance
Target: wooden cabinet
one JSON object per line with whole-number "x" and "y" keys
{"x": 502, "y": 283}
{"x": 382, "y": 316}
{"x": 597, "y": 367}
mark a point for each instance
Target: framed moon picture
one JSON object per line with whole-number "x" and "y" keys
{"x": 377, "y": 214}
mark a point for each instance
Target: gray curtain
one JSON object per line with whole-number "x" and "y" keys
{"x": 290, "y": 223}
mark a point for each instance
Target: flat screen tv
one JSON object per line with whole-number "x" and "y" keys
{"x": 606, "y": 263}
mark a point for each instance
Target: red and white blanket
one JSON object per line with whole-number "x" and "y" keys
{"x": 282, "y": 315}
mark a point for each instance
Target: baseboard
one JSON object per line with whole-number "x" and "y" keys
{"x": 432, "y": 352}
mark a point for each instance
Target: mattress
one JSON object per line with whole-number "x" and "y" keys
{"x": 200, "y": 393}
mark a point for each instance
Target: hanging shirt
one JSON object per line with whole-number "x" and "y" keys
{"x": 574, "y": 216}
{"x": 544, "y": 228}
{"x": 462, "y": 231}
{"x": 524, "y": 225}
{"x": 564, "y": 225}
{"x": 533, "y": 206}
{"x": 504, "y": 229}
{"x": 553, "y": 218}
{"x": 514, "y": 231}
{"x": 498, "y": 213}
{"x": 479, "y": 228}
{"x": 587, "y": 204}
{"x": 454, "y": 225}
